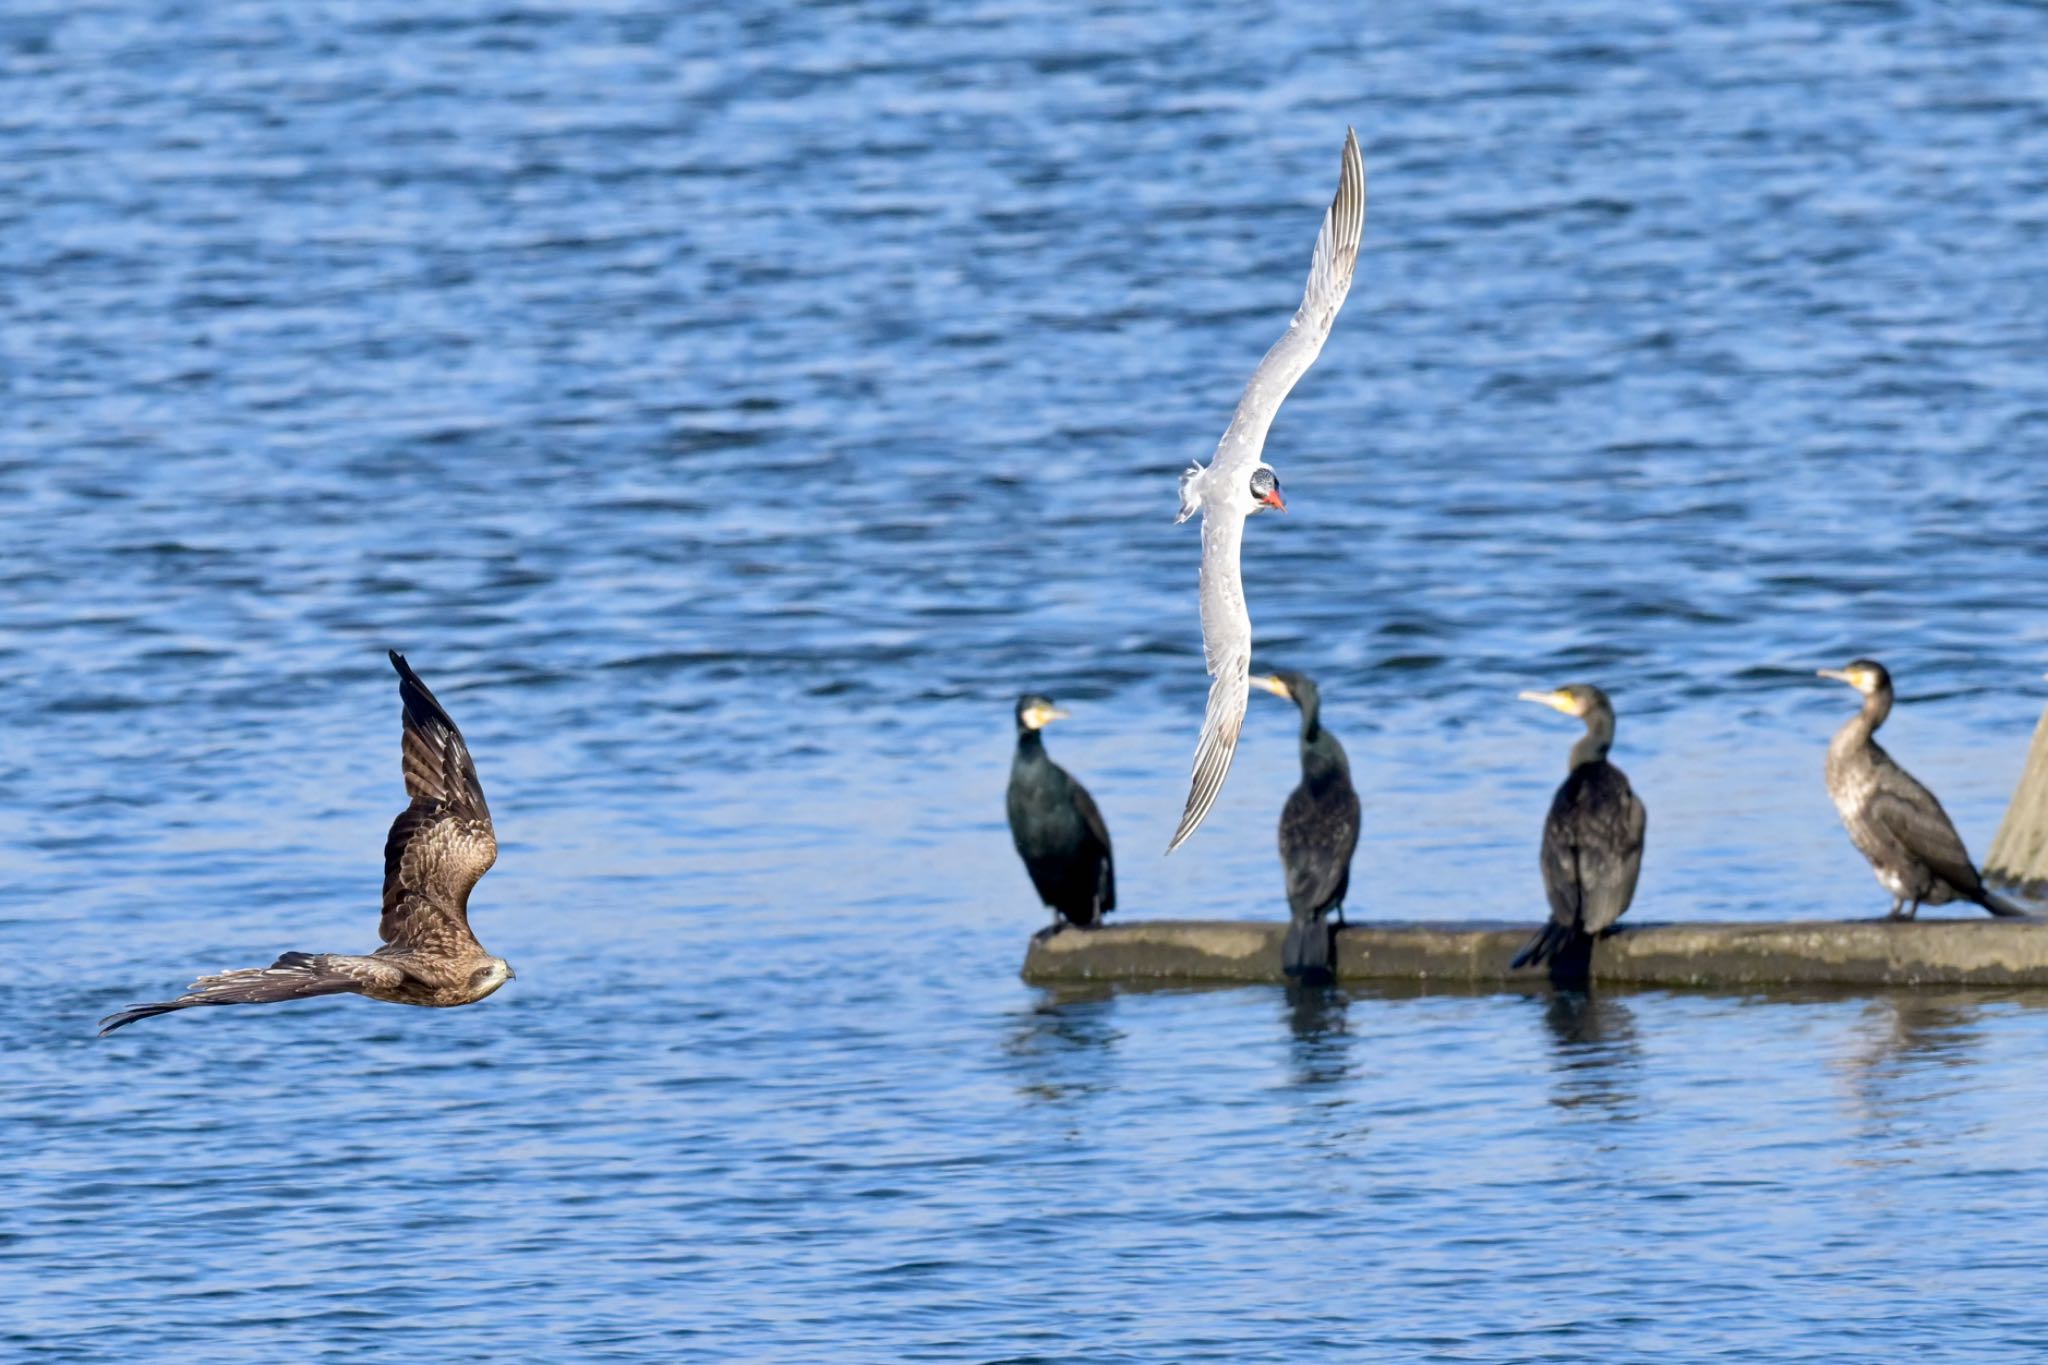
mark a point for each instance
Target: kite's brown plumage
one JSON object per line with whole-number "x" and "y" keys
{"x": 440, "y": 846}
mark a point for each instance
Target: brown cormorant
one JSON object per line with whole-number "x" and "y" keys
{"x": 1895, "y": 822}
{"x": 1592, "y": 842}
{"x": 1057, "y": 829}
{"x": 1318, "y": 833}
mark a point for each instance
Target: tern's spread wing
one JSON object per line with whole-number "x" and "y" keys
{"x": 1226, "y": 625}
{"x": 1227, "y": 640}
{"x": 442, "y": 844}
{"x": 1329, "y": 280}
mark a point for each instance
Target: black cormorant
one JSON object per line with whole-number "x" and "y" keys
{"x": 1318, "y": 833}
{"x": 1893, "y": 820}
{"x": 1058, "y": 831}
{"x": 1592, "y": 842}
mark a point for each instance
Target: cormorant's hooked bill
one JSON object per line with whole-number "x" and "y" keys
{"x": 1035, "y": 713}
{"x": 1570, "y": 700}
{"x": 1865, "y": 675}
{"x": 1274, "y": 683}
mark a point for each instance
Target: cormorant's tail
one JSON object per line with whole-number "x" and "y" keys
{"x": 1999, "y": 905}
{"x": 1566, "y": 948}
{"x": 1540, "y": 949}
{"x": 295, "y": 976}
{"x": 1310, "y": 953}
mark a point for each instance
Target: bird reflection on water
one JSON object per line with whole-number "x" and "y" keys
{"x": 1597, "y": 1056}
{"x": 1914, "y": 1053}
{"x": 1905, "y": 1029}
{"x": 1321, "y": 1050}
{"x": 1064, "y": 1043}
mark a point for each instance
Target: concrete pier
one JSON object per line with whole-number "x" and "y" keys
{"x": 1935, "y": 952}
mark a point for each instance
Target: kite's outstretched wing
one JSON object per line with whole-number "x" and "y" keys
{"x": 441, "y": 845}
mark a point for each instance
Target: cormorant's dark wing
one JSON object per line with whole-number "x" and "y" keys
{"x": 1317, "y": 841}
{"x": 1908, "y": 812}
{"x": 1593, "y": 848}
{"x": 442, "y": 844}
{"x": 1560, "y": 861}
{"x": 1106, "y": 879}
{"x": 294, "y": 976}
{"x": 1613, "y": 863}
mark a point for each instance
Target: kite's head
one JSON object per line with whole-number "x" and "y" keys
{"x": 493, "y": 973}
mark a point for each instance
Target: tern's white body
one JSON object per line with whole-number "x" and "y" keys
{"x": 1222, "y": 490}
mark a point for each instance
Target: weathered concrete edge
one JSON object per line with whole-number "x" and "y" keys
{"x": 1852, "y": 953}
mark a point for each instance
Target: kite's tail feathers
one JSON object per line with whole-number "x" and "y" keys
{"x": 123, "y": 1018}
{"x": 294, "y": 976}
{"x": 1310, "y": 953}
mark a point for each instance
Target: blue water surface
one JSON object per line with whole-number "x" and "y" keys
{"x": 730, "y": 410}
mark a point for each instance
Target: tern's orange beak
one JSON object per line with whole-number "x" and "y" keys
{"x": 1273, "y": 499}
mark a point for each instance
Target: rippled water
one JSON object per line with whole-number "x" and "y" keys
{"x": 730, "y": 413}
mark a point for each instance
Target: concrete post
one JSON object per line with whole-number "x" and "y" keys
{"x": 2019, "y": 855}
